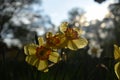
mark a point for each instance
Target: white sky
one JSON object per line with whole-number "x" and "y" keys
{"x": 58, "y": 9}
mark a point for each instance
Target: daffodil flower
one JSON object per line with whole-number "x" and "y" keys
{"x": 56, "y": 41}
{"x": 39, "y": 55}
{"x": 73, "y": 38}
{"x": 117, "y": 58}
{"x": 94, "y": 49}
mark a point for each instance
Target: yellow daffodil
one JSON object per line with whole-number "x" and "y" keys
{"x": 117, "y": 58}
{"x": 55, "y": 41}
{"x": 38, "y": 55}
{"x": 73, "y": 39}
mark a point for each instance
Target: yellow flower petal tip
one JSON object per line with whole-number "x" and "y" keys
{"x": 46, "y": 70}
{"x": 116, "y": 52}
{"x": 54, "y": 57}
{"x": 117, "y": 70}
{"x": 30, "y": 49}
{"x": 43, "y": 64}
{"x": 41, "y": 41}
{"x": 63, "y": 26}
{"x": 77, "y": 43}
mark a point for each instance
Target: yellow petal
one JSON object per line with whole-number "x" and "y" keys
{"x": 79, "y": 31}
{"x": 41, "y": 41}
{"x": 62, "y": 43}
{"x": 63, "y": 27}
{"x": 49, "y": 34}
{"x": 46, "y": 70}
{"x": 43, "y": 65}
{"x": 30, "y": 49}
{"x": 116, "y": 52}
{"x": 81, "y": 42}
{"x": 33, "y": 60}
{"x": 77, "y": 43}
{"x": 117, "y": 69}
{"x": 71, "y": 45}
{"x": 54, "y": 57}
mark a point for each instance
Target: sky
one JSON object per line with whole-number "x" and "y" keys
{"x": 58, "y": 9}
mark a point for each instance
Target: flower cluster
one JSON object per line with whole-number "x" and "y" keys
{"x": 40, "y": 56}
{"x": 117, "y": 58}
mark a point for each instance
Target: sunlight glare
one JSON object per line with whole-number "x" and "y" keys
{"x": 96, "y": 14}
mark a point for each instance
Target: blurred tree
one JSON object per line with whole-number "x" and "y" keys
{"x": 74, "y": 12}
{"x": 115, "y": 10}
{"x": 21, "y": 20}
{"x": 77, "y": 17}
